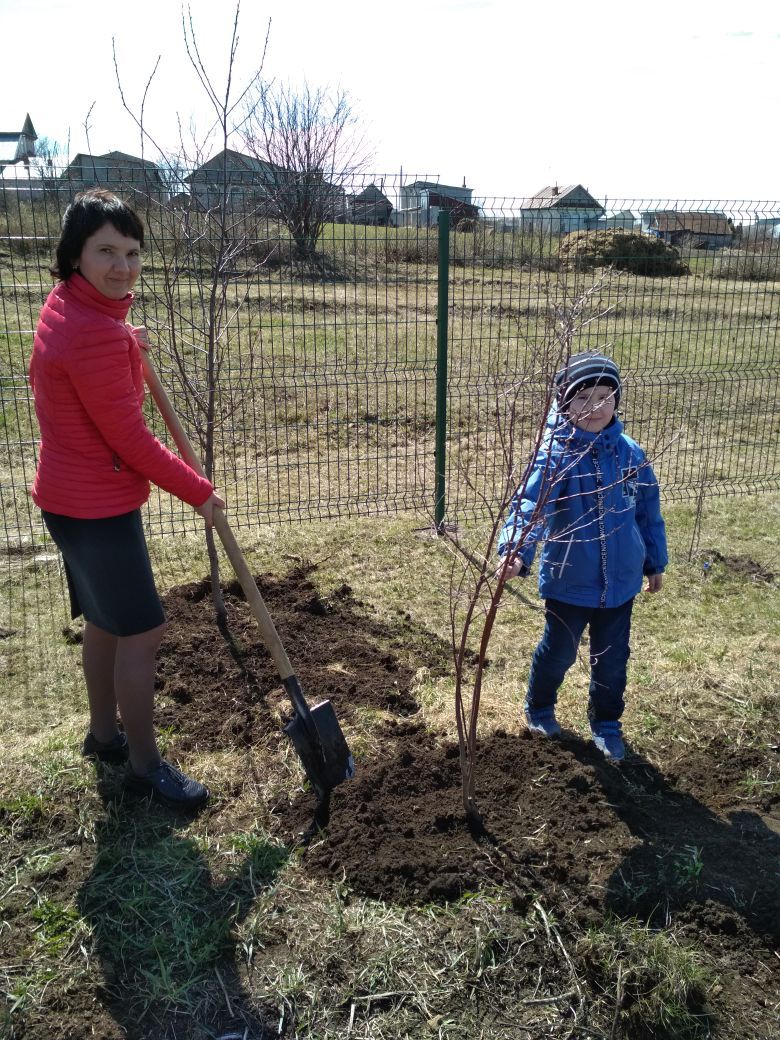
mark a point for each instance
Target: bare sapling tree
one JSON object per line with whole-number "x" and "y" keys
{"x": 199, "y": 238}
{"x": 309, "y": 143}
{"x": 527, "y": 413}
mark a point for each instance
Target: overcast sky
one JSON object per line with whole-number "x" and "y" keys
{"x": 678, "y": 99}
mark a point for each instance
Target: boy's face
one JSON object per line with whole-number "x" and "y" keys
{"x": 592, "y": 408}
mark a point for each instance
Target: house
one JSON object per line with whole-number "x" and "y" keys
{"x": 118, "y": 171}
{"x": 370, "y": 206}
{"x": 624, "y": 220}
{"x": 261, "y": 184}
{"x": 18, "y": 145}
{"x": 702, "y": 230}
{"x": 245, "y": 174}
{"x": 761, "y": 229}
{"x": 559, "y": 210}
{"x": 421, "y": 202}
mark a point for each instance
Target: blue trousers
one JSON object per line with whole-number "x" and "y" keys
{"x": 609, "y": 631}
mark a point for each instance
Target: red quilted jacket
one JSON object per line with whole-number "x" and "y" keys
{"x": 97, "y": 455}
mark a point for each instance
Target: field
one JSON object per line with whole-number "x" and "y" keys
{"x": 637, "y": 902}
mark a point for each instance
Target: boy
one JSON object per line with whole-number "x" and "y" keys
{"x": 592, "y": 498}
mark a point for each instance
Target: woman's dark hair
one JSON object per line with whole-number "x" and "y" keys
{"x": 88, "y": 212}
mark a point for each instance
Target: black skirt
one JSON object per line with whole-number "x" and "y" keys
{"x": 109, "y": 573}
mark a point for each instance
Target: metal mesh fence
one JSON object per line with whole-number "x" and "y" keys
{"x": 316, "y": 328}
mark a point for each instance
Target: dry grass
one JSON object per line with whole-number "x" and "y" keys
{"x": 240, "y": 922}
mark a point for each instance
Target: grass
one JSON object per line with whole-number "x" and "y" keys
{"x": 167, "y": 919}
{"x": 660, "y": 984}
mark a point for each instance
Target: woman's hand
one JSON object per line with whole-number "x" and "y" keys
{"x": 140, "y": 335}
{"x": 207, "y": 509}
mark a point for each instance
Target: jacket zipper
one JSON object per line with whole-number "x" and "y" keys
{"x": 602, "y": 529}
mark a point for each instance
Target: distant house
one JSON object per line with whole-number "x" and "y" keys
{"x": 261, "y": 185}
{"x": 118, "y": 171}
{"x": 245, "y": 175}
{"x": 624, "y": 220}
{"x": 370, "y": 206}
{"x": 421, "y": 202}
{"x": 703, "y": 230}
{"x": 761, "y": 229}
{"x": 560, "y": 210}
{"x": 17, "y": 145}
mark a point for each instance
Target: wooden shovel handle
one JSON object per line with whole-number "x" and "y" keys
{"x": 236, "y": 557}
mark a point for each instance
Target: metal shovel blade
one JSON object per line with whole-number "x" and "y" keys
{"x": 325, "y": 755}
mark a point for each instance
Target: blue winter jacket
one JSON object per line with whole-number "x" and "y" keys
{"x": 592, "y": 500}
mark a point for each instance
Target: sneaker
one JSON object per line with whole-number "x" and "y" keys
{"x": 114, "y": 750}
{"x": 608, "y": 739}
{"x": 168, "y": 785}
{"x": 542, "y": 720}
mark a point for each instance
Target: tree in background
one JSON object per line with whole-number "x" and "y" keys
{"x": 195, "y": 250}
{"x": 310, "y": 145}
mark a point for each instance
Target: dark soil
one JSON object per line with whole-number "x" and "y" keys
{"x": 683, "y": 844}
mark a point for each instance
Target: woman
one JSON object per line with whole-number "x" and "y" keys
{"x": 96, "y": 460}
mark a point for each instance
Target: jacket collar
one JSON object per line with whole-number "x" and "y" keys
{"x": 560, "y": 429}
{"x": 85, "y": 293}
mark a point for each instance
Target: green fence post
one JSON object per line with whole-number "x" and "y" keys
{"x": 442, "y": 318}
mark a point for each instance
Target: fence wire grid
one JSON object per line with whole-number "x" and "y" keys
{"x": 312, "y": 314}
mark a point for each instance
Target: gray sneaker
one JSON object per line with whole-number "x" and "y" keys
{"x": 608, "y": 739}
{"x": 542, "y": 721}
{"x": 168, "y": 785}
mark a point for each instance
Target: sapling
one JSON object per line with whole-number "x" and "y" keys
{"x": 477, "y": 584}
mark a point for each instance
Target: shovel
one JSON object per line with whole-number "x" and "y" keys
{"x": 315, "y": 732}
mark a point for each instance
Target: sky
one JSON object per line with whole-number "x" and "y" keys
{"x": 678, "y": 99}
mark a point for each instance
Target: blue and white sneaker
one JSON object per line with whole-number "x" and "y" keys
{"x": 608, "y": 738}
{"x": 542, "y": 720}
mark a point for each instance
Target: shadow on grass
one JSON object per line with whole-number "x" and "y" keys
{"x": 164, "y": 926}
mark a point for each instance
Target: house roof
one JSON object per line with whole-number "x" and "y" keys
{"x": 117, "y": 157}
{"x": 371, "y": 195}
{"x": 235, "y": 160}
{"x": 693, "y": 223}
{"x": 554, "y": 196}
{"x": 417, "y": 186}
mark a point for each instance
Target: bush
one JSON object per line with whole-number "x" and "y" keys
{"x": 747, "y": 267}
{"x": 625, "y": 250}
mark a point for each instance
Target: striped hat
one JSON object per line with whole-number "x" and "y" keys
{"x": 585, "y": 370}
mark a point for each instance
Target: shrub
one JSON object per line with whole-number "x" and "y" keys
{"x": 625, "y": 250}
{"x": 747, "y": 267}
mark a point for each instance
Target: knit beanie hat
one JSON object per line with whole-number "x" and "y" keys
{"x": 585, "y": 370}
